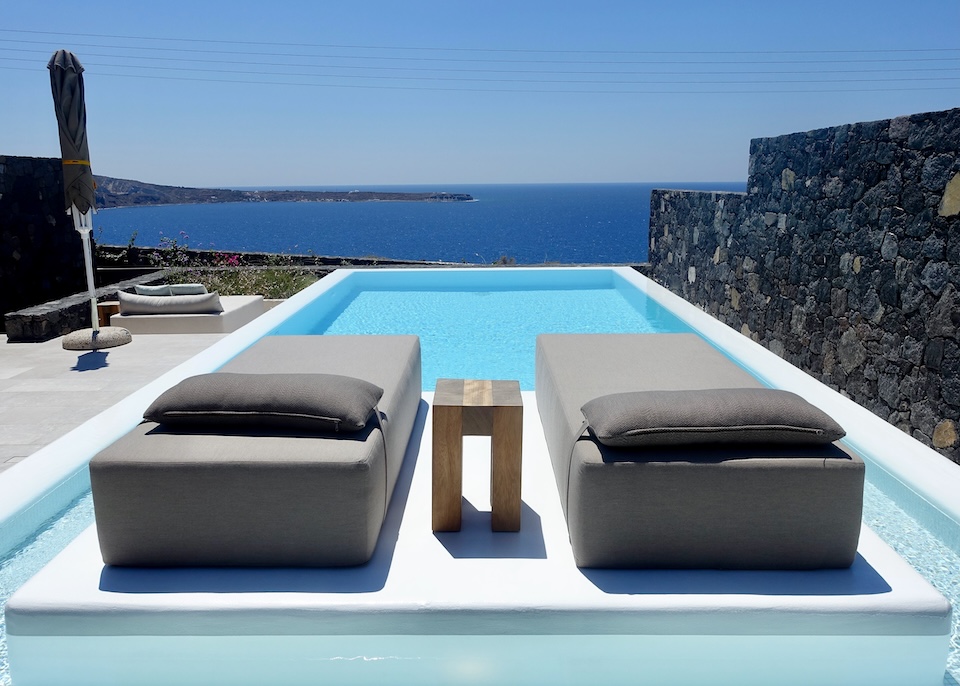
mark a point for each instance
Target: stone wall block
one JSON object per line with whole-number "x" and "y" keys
{"x": 912, "y": 200}
{"x": 949, "y": 205}
{"x": 885, "y": 153}
{"x": 945, "y": 434}
{"x": 889, "y": 291}
{"x": 945, "y": 316}
{"x": 933, "y": 354}
{"x": 933, "y": 248}
{"x": 894, "y": 181}
{"x": 935, "y": 276}
{"x": 937, "y": 171}
{"x": 851, "y": 351}
{"x": 950, "y": 391}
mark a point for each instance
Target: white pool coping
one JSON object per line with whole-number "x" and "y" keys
{"x": 480, "y": 596}
{"x": 466, "y": 590}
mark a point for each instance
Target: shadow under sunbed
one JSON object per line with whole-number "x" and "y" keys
{"x": 860, "y": 579}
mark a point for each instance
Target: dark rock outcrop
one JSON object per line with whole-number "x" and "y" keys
{"x": 124, "y": 193}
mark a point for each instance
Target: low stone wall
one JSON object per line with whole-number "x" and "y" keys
{"x": 59, "y": 317}
{"x": 41, "y": 255}
{"x": 843, "y": 257}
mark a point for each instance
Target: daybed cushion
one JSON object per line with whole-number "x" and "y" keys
{"x": 166, "y": 497}
{"x": 133, "y": 303}
{"x": 307, "y": 402}
{"x": 170, "y": 289}
{"x": 238, "y": 310}
{"x": 147, "y": 289}
{"x": 723, "y": 415}
{"x": 740, "y": 506}
{"x": 187, "y": 289}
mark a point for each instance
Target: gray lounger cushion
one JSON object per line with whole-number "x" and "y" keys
{"x": 147, "y": 289}
{"x": 166, "y": 497}
{"x": 732, "y": 506}
{"x": 309, "y": 402}
{"x": 722, "y": 415}
{"x": 170, "y": 289}
{"x": 238, "y": 310}
{"x": 133, "y": 303}
{"x": 187, "y": 289}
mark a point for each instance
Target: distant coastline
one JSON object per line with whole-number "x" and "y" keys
{"x": 531, "y": 223}
{"x": 113, "y": 192}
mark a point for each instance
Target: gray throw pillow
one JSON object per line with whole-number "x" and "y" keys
{"x": 305, "y": 402}
{"x": 187, "y": 289}
{"x": 726, "y": 415}
{"x": 162, "y": 289}
{"x": 132, "y": 303}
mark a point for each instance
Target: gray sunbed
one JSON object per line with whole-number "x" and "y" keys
{"x": 166, "y": 497}
{"x": 689, "y": 506}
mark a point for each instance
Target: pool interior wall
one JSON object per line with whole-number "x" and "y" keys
{"x": 916, "y": 478}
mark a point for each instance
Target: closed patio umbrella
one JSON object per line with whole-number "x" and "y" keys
{"x": 66, "y": 82}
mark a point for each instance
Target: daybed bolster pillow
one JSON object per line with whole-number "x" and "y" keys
{"x": 306, "y": 402}
{"x": 132, "y": 303}
{"x": 726, "y": 415}
{"x": 144, "y": 289}
{"x": 187, "y": 289}
{"x": 171, "y": 289}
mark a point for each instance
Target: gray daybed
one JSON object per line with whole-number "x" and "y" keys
{"x": 730, "y": 505}
{"x": 207, "y": 313}
{"x": 244, "y": 495}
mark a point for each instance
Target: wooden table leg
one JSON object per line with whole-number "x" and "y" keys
{"x": 105, "y": 309}
{"x": 447, "y": 467}
{"x": 505, "y": 466}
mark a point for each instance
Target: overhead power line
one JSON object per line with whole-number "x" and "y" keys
{"x": 585, "y": 91}
{"x": 500, "y": 70}
{"x": 472, "y": 79}
{"x": 484, "y": 50}
{"x": 471, "y": 70}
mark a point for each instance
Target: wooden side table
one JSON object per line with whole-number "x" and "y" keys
{"x": 477, "y": 408}
{"x": 105, "y": 309}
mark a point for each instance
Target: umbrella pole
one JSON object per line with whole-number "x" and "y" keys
{"x": 82, "y": 222}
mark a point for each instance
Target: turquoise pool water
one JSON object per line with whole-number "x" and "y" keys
{"x": 506, "y": 313}
{"x": 484, "y": 324}
{"x": 483, "y": 334}
{"x": 21, "y": 564}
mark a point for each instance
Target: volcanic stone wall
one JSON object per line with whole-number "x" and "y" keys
{"x": 843, "y": 257}
{"x": 41, "y": 255}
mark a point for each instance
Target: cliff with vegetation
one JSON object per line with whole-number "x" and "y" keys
{"x": 125, "y": 193}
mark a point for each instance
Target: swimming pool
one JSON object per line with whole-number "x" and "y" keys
{"x": 910, "y": 497}
{"x": 483, "y": 328}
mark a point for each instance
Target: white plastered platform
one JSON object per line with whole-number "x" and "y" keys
{"x": 476, "y": 607}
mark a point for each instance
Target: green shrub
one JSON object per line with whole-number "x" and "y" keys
{"x": 270, "y": 282}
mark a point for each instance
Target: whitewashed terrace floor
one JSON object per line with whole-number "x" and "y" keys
{"x": 46, "y": 391}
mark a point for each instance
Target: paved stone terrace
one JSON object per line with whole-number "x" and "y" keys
{"x": 46, "y": 391}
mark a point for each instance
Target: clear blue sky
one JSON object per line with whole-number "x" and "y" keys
{"x": 235, "y": 93}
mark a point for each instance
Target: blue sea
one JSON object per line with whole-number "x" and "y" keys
{"x": 532, "y": 224}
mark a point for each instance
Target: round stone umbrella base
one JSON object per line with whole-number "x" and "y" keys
{"x": 88, "y": 339}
